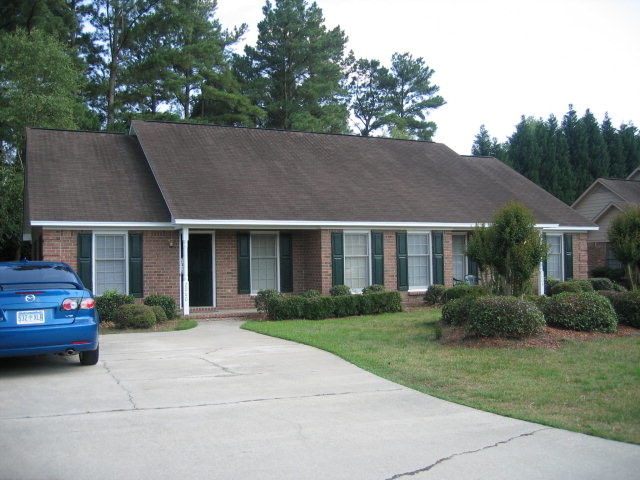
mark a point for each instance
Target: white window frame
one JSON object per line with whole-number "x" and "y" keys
{"x": 264, "y": 232}
{"x": 465, "y": 261}
{"x": 421, "y": 288}
{"x": 94, "y": 256}
{"x": 368, "y": 256}
{"x": 561, "y": 262}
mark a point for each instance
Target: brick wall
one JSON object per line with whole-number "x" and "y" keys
{"x": 580, "y": 256}
{"x": 597, "y": 254}
{"x": 61, "y": 246}
{"x": 448, "y": 258}
{"x": 161, "y": 263}
{"x": 390, "y": 260}
{"x": 227, "y": 273}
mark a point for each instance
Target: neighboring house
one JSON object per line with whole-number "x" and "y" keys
{"x": 601, "y": 203}
{"x": 211, "y": 215}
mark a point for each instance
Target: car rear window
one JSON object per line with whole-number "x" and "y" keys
{"x": 44, "y": 276}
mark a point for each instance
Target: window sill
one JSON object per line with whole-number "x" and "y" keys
{"x": 415, "y": 293}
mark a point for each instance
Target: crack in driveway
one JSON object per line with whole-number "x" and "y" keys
{"x": 453, "y": 455}
{"x": 119, "y": 383}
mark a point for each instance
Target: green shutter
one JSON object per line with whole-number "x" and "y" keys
{"x": 337, "y": 258}
{"x": 438, "y": 258}
{"x": 568, "y": 256}
{"x": 403, "y": 261}
{"x": 377, "y": 258}
{"x": 84, "y": 259}
{"x": 244, "y": 263}
{"x": 135, "y": 265}
{"x": 286, "y": 263}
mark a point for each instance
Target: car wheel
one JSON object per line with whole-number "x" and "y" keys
{"x": 89, "y": 357}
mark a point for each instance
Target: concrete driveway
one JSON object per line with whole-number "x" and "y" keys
{"x": 217, "y": 402}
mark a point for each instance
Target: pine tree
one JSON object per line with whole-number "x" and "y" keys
{"x": 485, "y": 145}
{"x": 597, "y": 154}
{"x": 525, "y": 151}
{"x": 294, "y": 71}
{"x": 630, "y": 146}
{"x": 617, "y": 167}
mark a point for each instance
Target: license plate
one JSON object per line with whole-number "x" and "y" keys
{"x": 31, "y": 317}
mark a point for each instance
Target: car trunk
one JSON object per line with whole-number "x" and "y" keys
{"x": 32, "y": 308}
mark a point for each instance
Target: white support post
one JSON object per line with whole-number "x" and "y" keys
{"x": 185, "y": 271}
{"x": 541, "y": 280}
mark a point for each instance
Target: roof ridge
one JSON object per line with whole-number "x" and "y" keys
{"x": 197, "y": 124}
{"x": 78, "y": 131}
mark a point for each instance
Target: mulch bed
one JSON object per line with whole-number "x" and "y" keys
{"x": 551, "y": 338}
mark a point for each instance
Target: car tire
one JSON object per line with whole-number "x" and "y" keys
{"x": 89, "y": 357}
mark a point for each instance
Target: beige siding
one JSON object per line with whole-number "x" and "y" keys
{"x": 604, "y": 222}
{"x": 595, "y": 201}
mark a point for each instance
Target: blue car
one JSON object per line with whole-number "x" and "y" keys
{"x": 44, "y": 309}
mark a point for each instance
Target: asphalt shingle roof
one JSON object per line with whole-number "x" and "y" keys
{"x": 629, "y": 190}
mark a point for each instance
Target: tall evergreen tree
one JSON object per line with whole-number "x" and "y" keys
{"x": 617, "y": 167}
{"x": 525, "y": 151}
{"x": 630, "y": 141}
{"x": 295, "y": 68}
{"x": 488, "y": 146}
{"x": 578, "y": 145}
{"x": 413, "y": 96}
{"x": 597, "y": 154}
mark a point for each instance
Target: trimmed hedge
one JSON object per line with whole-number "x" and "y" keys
{"x": 286, "y": 307}
{"x": 602, "y": 283}
{"x": 456, "y": 312}
{"x": 510, "y": 317}
{"x": 158, "y": 311}
{"x": 263, "y": 297}
{"x": 571, "y": 286}
{"x": 375, "y": 288}
{"x": 435, "y": 294}
{"x": 134, "y": 316}
{"x": 311, "y": 293}
{"x": 167, "y": 303}
{"x": 463, "y": 290}
{"x": 583, "y": 311}
{"x": 338, "y": 290}
{"x": 109, "y": 302}
{"x": 627, "y": 306}
{"x": 539, "y": 301}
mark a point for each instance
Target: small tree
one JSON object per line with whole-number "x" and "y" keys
{"x": 509, "y": 250}
{"x": 624, "y": 236}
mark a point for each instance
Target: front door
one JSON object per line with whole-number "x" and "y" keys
{"x": 200, "y": 270}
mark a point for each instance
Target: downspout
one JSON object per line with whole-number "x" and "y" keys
{"x": 185, "y": 271}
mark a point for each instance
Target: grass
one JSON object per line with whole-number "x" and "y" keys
{"x": 591, "y": 387}
{"x": 168, "y": 326}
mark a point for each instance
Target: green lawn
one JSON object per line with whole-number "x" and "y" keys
{"x": 591, "y": 387}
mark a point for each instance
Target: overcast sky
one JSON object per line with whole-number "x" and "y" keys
{"x": 496, "y": 60}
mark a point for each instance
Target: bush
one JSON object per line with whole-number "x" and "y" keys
{"x": 627, "y": 306}
{"x": 615, "y": 274}
{"x": 134, "y": 315}
{"x": 539, "y": 301}
{"x": 167, "y": 303}
{"x": 549, "y": 284}
{"x": 311, "y": 293}
{"x": 263, "y": 297}
{"x": 456, "y": 312}
{"x": 463, "y": 290}
{"x": 109, "y": 302}
{"x": 602, "y": 283}
{"x": 610, "y": 294}
{"x": 509, "y": 317}
{"x": 158, "y": 311}
{"x": 338, "y": 290}
{"x": 316, "y": 308}
{"x": 571, "y": 286}
{"x": 583, "y": 311}
{"x": 375, "y": 288}
{"x": 435, "y": 295}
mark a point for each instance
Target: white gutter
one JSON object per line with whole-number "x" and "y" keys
{"x": 97, "y": 225}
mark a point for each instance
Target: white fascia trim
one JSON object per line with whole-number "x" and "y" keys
{"x": 560, "y": 228}
{"x": 302, "y": 224}
{"x": 100, "y": 225}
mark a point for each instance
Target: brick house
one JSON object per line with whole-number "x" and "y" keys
{"x": 210, "y": 214}
{"x": 605, "y": 199}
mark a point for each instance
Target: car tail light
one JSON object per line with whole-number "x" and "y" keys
{"x": 78, "y": 304}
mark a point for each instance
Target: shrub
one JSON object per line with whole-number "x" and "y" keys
{"x": 109, "y": 302}
{"x": 583, "y": 311}
{"x": 311, "y": 293}
{"x": 615, "y": 274}
{"x": 375, "y": 288}
{"x": 602, "y": 283}
{"x": 338, "y": 290}
{"x": 263, "y": 297}
{"x": 134, "y": 315}
{"x": 509, "y": 317}
{"x": 610, "y": 294}
{"x": 435, "y": 295}
{"x": 158, "y": 311}
{"x": 456, "y": 312}
{"x": 549, "y": 284}
{"x": 538, "y": 300}
{"x": 627, "y": 306}
{"x": 463, "y": 290}
{"x": 571, "y": 286}
{"x": 316, "y": 308}
{"x": 167, "y": 303}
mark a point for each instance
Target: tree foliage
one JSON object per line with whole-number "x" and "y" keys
{"x": 624, "y": 238}
{"x": 509, "y": 250}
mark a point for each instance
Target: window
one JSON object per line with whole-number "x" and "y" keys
{"x": 611, "y": 261}
{"x": 554, "y": 257}
{"x": 264, "y": 262}
{"x": 418, "y": 261}
{"x": 356, "y": 260}
{"x": 459, "y": 245}
{"x": 110, "y": 263}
